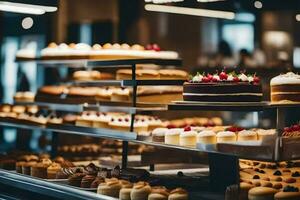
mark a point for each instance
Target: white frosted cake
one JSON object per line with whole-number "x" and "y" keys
{"x": 285, "y": 88}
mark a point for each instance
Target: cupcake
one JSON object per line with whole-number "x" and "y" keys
{"x": 188, "y": 138}
{"x": 206, "y": 137}
{"x": 158, "y": 135}
{"x": 178, "y": 194}
{"x": 40, "y": 169}
{"x": 247, "y": 135}
{"x": 140, "y": 191}
{"x": 52, "y": 170}
{"x": 172, "y": 136}
{"x": 19, "y": 166}
{"x": 111, "y": 188}
{"x": 31, "y": 160}
{"x": 75, "y": 179}
{"x": 226, "y": 136}
{"x": 87, "y": 181}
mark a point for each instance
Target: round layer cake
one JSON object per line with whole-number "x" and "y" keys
{"x": 285, "y": 88}
{"x": 223, "y": 88}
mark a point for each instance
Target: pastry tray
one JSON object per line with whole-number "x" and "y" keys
{"x": 94, "y": 63}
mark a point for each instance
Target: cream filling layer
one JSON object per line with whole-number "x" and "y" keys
{"x": 229, "y": 94}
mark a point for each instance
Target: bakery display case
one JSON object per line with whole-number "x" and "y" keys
{"x": 271, "y": 147}
{"x": 104, "y": 112}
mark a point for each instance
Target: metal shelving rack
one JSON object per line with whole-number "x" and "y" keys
{"x": 224, "y": 167}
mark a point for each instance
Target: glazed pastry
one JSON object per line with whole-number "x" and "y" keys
{"x": 87, "y": 180}
{"x": 178, "y": 194}
{"x": 111, "y": 188}
{"x": 140, "y": 191}
{"x": 261, "y": 193}
{"x": 52, "y": 170}
{"x": 158, "y": 193}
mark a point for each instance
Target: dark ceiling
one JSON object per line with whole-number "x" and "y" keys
{"x": 244, "y": 5}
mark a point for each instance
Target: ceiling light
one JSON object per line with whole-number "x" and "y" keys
{"x": 298, "y": 17}
{"x": 162, "y": 1}
{"x": 25, "y": 8}
{"x": 27, "y": 23}
{"x": 190, "y": 11}
{"x": 206, "y": 1}
{"x": 258, "y": 4}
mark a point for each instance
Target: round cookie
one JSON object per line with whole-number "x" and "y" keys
{"x": 261, "y": 193}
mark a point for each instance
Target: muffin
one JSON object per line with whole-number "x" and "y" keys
{"x": 26, "y": 167}
{"x": 140, "y": 191}
{"x": 125, "y": 194}
{"x": 111, "y": 188}
{"x": 52, "y": 170}
{"x": 126, "y": 190}
{"x": 19, "y": 166}
{"x": 40, "y": 169}
{"x": 178, "y": 194}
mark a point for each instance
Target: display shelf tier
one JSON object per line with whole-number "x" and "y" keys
{"x": 76, "y": 130}
{"x": 218, "y": 106}
{"x": 94, "y": 63}
{"x": 124, "y": 83}
{"x": 244, "y": 151}
{"x": 56, "y": 191}
{"x": 229, "y": 106}
{"x": 99, "y": 107}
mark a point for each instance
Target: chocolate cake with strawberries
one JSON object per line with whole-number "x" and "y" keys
{"x": 223, "y": 87}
